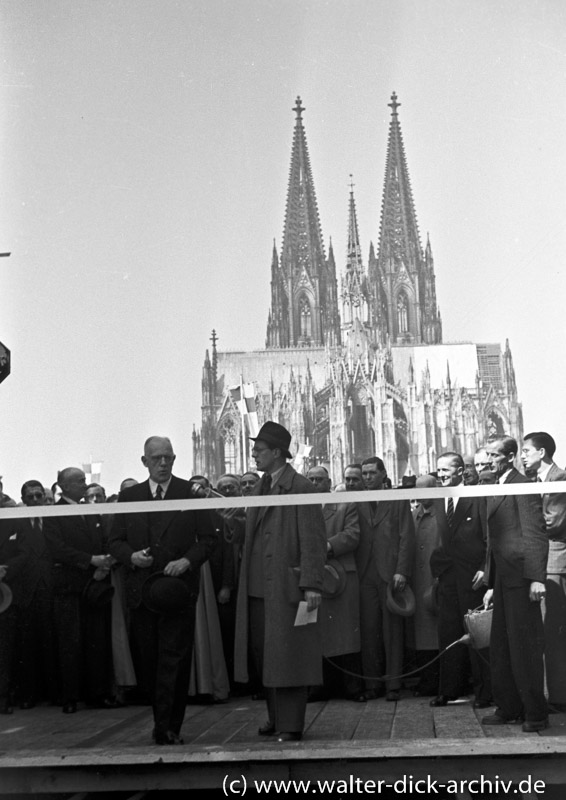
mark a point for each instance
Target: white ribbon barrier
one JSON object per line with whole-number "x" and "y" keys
{"x": 490, "y": 490}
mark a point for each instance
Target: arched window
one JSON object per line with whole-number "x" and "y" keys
{"x": 402, "y": 313}
{"x": 305, "y": 318}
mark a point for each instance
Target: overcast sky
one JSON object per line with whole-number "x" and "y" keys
{"x": 145, "y": 148}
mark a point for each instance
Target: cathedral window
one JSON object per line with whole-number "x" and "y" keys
{"x": 305, "y": 318}
{"x": 402, "y": 313}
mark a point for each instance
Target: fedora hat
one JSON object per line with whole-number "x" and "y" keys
{"x": 165, "y": 594}
{"x": 334, "y": 579}
{"x": 6, "y": 596}
{"x": 275, "y": 435}
{"x": 401, "y": 603}
{"x": 98, "y": 593}
{"x": 430, "y": 598}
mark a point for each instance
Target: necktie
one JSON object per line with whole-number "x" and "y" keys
{"x": 450, "y": 511}
{"x": 159, "y": 492}
{"x": 266, "y": 480}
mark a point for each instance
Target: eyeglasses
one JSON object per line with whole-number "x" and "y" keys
{"x": 159, "y": 459}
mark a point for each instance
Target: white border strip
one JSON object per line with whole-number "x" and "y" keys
{"x": 491, "y": 490}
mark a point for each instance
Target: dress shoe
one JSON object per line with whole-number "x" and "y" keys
{"x": 168, "y": 738}
{"x": 532, "y": 726}
{"x": 107, "y": 702}
{"x": 289, "y": 736}
{"x": 442, "y": 700}
{"x": 266, "y": 730}
{"x": 393, "y": 695}
{"x": 25, "y": 704}
{"x": 369, "y": 694}
{"x": 70, "y": 708}
{"x": 482, "y": 703}
{"x": 497, "y": 719}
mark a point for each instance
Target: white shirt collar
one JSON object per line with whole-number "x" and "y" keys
{"x": 153, "y": 486}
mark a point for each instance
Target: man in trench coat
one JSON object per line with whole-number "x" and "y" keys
{"x": 283, "y": 564}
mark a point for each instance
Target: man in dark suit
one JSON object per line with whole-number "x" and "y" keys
{"x": 83, "y": 628}
{"x": 12, "y": 562}
{"x": 37, "y": 670}
{"x": 282, "y": 565}
{"x": 174, "y": 543}
{"x": 458, "y": 564}
{"x": 537, "y": 457}
{"x": 385, "y": 556}
{"x": 516, "y": 566}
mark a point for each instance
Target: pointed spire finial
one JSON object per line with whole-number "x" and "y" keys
{"x": 298, "y": 107}
{"x": 394, "y": 105}
{"x": 352, "y": 184}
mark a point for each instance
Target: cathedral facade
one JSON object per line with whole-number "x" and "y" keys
{"x": 357, "y": 367}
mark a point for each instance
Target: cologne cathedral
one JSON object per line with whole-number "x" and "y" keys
{"x": 356, "y": 367}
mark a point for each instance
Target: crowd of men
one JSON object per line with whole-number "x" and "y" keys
{"x": 339, "y": 599}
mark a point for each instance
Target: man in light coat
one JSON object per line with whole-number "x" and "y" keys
{"x": 341, "y": 608}
{"x": 282, "y": 564}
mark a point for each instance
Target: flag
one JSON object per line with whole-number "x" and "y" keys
{"x": 303, "y": 453}
{"x": 244, "y": 399}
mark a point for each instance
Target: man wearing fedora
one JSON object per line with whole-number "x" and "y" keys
{"x": 458, "y": 563}
{"x": 162, "y": 552}
{"x": 341, "y": 596}
{"x": 282, "y": 565}
{"x": 82, "y": 628}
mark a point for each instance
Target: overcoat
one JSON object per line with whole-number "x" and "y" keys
{"x": 422, "y": 633}
{"x": 341, "y": 614}
{"x": 293, "y": 537}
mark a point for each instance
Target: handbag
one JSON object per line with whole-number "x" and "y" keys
{"x": 477, "y": 623}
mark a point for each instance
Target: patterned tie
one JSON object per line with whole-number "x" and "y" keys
{"x": 450, "y": 511}
{"x": 159, "y": 492}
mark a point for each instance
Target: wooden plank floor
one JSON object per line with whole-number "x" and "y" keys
{"x": 41, "y": 748}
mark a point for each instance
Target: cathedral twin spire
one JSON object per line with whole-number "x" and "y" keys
{"x": 396, "y": 298}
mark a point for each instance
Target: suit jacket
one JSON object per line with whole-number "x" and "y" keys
{"x": 554, "y": 511}
{"x": 387, "y": 537}
{"x": 517, "y": 539}
{"x": 170, "y": 534}
{"x": 12, "y": 556}
{"x": 462, "y": 547}
{"x": 72, "y": 542}
{"x": 38, "y": 568}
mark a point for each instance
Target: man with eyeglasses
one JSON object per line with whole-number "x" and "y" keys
{"x": 282, "y": 565}
{"x": 37, "y": 674}
{"x": 174, "y": 544}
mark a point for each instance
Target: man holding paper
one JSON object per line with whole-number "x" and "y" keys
{"x": 280, "y": 584}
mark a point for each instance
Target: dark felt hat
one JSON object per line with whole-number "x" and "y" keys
{"x": 402, "y": 603}
{"x": 6, "y": 596}
{"x": 334, "y": 580}
{"x": 98, "y": 593}
{"x": 275, "y": 435}
{"x": 165, "y": 594}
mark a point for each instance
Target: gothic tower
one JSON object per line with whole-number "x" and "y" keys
{"x": 354, "y": 295}
{"x": 304, "y": 297}
{"x": 402, "y": 281}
